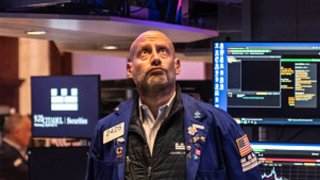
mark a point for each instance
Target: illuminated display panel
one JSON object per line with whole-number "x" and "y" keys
{"x": 268, "y": 82}
{"x": 281, "y": 161}
{"x": 65, "y": 106}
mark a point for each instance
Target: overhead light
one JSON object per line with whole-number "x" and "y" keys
{"x": 36, "y": 32}
{"x": 109, "y": 47}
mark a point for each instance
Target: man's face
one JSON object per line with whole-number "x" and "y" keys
{"x": 23, "y": 133}
{"x": 153, "y": 64}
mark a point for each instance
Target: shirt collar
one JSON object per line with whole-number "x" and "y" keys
{"x": 162, "y": 109}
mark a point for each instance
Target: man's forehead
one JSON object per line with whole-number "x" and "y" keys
{"x": 153, "y": 41}
{"x": 152, "y": 36}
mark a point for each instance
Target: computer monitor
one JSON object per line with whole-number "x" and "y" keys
{"x": 65, "y": 106}
{"x": 288, "y": 161}
{"x": 54, "y": 163}
{"x": 268, "y": 83}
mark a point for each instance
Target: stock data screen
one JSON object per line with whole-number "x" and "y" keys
{"x": 288, "y": 161}
{"x": 268, "y": 82}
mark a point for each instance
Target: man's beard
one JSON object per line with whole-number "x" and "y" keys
{"x": 154, "y": 85}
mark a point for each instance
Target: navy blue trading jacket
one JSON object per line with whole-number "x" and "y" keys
{"x": 224, "y": 151}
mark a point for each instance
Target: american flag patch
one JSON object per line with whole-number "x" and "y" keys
{"x": 244, "y": 145}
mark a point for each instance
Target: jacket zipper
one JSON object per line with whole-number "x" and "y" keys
{"x": 149, "y": 172}
{"x": 129, "y": 168}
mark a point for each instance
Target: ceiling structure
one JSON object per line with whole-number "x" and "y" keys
{"x": 85, "y": 33}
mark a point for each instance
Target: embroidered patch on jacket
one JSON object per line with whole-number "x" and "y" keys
{"x": 249, "y": 162}
{"x": 244, "y": 145}
{"x": 179, "y": 149}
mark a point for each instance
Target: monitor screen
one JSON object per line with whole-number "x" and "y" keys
{"x": 65, "y": 106}
{"x": 268, "y": 82}
{"x": 288, "y": 161}
{"x": 57, "y": 163}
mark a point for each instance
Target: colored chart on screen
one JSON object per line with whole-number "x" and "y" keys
{"x": 288, "y": 161}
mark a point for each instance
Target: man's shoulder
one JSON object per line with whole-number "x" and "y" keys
{"x": 8, "y": 151}
{"x": 219, "y": 116}
{"x": 109, "y": 120}
{"x": 192, "y": 102}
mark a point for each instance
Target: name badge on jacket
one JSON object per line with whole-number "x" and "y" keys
{"x": 113, "y": 133}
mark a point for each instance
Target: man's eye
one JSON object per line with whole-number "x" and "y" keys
{"x": 163, "y": 50}
{"x": 144, "y": 52}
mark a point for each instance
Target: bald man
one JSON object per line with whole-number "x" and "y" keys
{"x": 163, "y": 133}
{"x": 13, "y": 157}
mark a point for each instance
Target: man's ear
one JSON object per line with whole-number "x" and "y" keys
{"x": 129, "y": 70}
{"x": 177, "y": 65}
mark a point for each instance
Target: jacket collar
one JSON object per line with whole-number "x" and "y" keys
{"x": 123, "y": 113}
{"x": 15, "y": 148}
{"x": 196, "y": 131}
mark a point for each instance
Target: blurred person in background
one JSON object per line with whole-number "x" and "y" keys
{"x": 13, "y": 150}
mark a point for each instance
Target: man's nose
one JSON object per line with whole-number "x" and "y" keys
{"x": 155, "y": 61}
